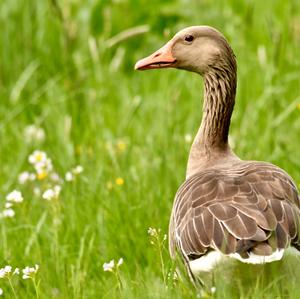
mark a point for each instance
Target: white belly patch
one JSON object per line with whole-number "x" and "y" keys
{"x": 207, "y": 262}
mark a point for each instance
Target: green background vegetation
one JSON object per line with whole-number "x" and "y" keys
{"x": 60, "y": 69}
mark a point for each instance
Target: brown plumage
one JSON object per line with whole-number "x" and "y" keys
{"x": 235, "y": 209}
{"x": 241, "y": 209}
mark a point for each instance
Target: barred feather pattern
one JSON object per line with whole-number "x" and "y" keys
{"x": 251, "y": 207}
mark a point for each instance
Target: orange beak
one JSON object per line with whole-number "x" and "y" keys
{"x": 162, "y": 58}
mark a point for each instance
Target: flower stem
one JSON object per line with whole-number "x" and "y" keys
{"x": 36, "y": 287}
{"x": 117, "y": 275}
{"x": 12, "y": 287}
{"x": 160, "y": 248}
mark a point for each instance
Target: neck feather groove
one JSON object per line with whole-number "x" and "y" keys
{"x": 219, "y": 98}
{"x": 211, "y": 142}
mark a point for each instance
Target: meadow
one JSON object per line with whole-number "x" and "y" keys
{"x": 113, "y": 143}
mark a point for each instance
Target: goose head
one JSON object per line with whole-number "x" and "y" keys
{"x": 197, "y": 49}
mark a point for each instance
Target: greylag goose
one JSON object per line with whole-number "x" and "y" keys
{"x": 226, "y": 208}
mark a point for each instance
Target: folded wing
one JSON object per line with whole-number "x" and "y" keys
{"x": 236, "y": 212}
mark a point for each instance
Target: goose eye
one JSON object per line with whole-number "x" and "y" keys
{"x": 189, "y": 38}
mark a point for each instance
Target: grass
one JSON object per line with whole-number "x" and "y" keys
{"x": 58, "y": 71}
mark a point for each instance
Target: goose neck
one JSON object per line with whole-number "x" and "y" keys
{"x": 211, "y": 141}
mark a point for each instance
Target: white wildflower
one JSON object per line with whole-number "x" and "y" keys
{"x": 7, "y": 269}
{"x": 48, "y": 165}
{"x": 37, "y": 157}
{"x": 69, "y": 176}
{"x": 152, "y": 232}
{"x": 1, "y": 292}
{"x": 57, "y": 189}
{"x": 213, "y": 290}
{"x": 43, "y": 166}
{"x": 8, "y": 213}
{"x": 4, "y": 272}
{"x": 29, "y": 272}
{"x": 120, "y": 262}
{"x": 8, "y": 205}
{"x": 55, "y": 177}
{"x": 16, "y": 271}
{"x": 23, "y": 177}
{"x": 26, "y": 176}
{"x": 109, "y": 266}
{"x": 78, "y": 169}
{"x": 15, "y": 196}
{"x": 34, "y": 133}
{"x": 49, "y": 194}
{"x": 40, "y": 135}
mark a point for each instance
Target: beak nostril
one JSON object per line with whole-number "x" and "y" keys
{"x": 156, "y": 55}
